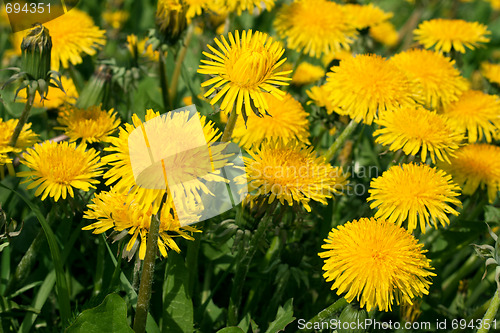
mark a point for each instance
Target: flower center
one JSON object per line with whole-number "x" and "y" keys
{"x": 248, "y": 67}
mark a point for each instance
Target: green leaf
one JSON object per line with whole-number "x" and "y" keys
{"x": 492, "y": 214}
{"x": 178, "y": 313}
{"x": 232, "y": 329}
{"x": 283, "y": 318}
{"x": 62, "y": 286}
{"x": 151, "y": 325}
{"x": 109, "y": 316}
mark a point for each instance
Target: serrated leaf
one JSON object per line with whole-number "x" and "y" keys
{"x": 178, "y": 313}
{"x": 110, "y": 316}
{"x": 232, "y": 329}
{"x": 492, "y": 214}
{"x": 283, "y": 318}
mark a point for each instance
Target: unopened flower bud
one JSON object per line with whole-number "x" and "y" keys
{"x": 171, "y": 19}
{"x": 351, "y": 319}
{"x": 36, "y": 51}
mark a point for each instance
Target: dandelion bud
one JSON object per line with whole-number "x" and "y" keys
{"x": 36, "y": 52}
{"x": 350, "y": 319}
{"x": 96, "y": 88}
{"x": 171, "y": 20}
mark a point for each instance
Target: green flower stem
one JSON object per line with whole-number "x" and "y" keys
{"x": 28, "y": 260}
{"x": 146, "y": 285}
{"x": 164, "y": 84}
{"x": 231, "y": 122}
{"x": 490, "y": 314}
{"x": 449, "y": 285}
{"x": 23, "y": 119}
{"x": 243, "y": 261}
{"x": 329, "y": 312}
{"x": 178, "y": 63}
{"x": 339, "y": 142}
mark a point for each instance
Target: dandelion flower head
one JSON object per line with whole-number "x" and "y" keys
{"x": 475, "y": 113}
{"x": 287, "y": 120}
{"x": 417, "y": 130}
{"x": 292, "y": 173}
{"x": 122, "y": 214}
{"x": 58, "y": 168}
{"x": 415, "y": 193}
{"x": 447, "y": 34}
{"x": 365, "y": 84}
{"x": 243, "y": 71}
{"x": 438, "y": 81}
{"x": 375, "y": 262}
{"x": 476, "y": 166}
{"x": 315, "y": 27}
{"x": 90, "y": 125}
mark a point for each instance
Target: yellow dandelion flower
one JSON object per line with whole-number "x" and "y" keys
{"x": 89, "y": 125}
{"x": 175, "y": 129}
{"x": 244, "y": 71}
{"x": 320, "y": 95}
{"x": 115, "y": 19}
{"x": 410, "y": 312}
{"x": 445, "y": 34}
{"x": 287, "y": 120}
{"x": 376, "y": 263}
{"x": 57, "y": 168}
{"x": 495, "y": 4}
{"x": 239, "y": 6}
{"x": 437, "y": 80}
{"x": 365, "y": 16}
{"x": 315, "y": 27}
{"x": 365, "y": 84}
{"x": 385, "y": 33}
{"x": 337, "y": 56}
{"x": 26, "y": 138}
{"x": 417, "y": 130}
{"x": 55, "y": 97}
{"x": 4, "y": 156}
{"x": 476, "y": 165}
{"x": 291, "y": 173}
{"x": 307, "y": 73}
{"x": 121, "y": 212}
{"x": 414, "y": 192}
{"x": 476, "y": 113}
{"x": 134, "y": 44}
{"x": 73, "y": 34}
{"x": 491, "y": 72}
